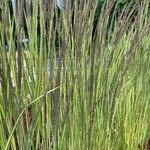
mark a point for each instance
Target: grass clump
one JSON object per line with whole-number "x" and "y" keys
{"x": 72, "y": 86}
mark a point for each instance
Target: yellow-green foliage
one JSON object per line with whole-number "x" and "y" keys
{"x": 89, "y": 93}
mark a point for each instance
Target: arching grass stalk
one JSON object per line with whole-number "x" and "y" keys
{"x": 35, "y": 100}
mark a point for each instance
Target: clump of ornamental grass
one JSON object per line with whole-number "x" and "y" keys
{"x": 70, "y": 89}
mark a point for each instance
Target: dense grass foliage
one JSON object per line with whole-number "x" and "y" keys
{"x": 82, "y": 93}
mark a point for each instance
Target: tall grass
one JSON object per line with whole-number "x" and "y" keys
{"x": 85, "y": 93}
